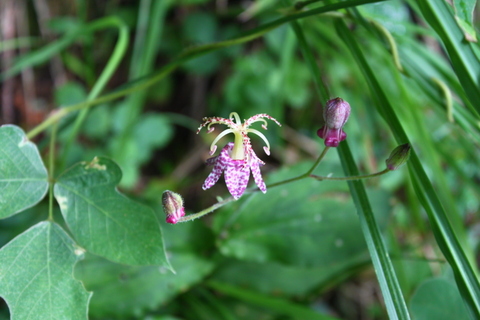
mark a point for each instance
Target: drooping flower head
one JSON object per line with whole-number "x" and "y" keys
{"x": 335, "y": 114}
{"x": 237, "y": 158}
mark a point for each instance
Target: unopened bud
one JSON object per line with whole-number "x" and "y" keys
{"x": 335, "y": 114}
{"x": 172, "y": 206}
{"x": 398, "y": 156}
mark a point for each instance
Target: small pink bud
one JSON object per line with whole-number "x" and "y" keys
{"x": 335, "y": 114}
{"x": 398, "y": 157}
{"x": 172, "y": 206}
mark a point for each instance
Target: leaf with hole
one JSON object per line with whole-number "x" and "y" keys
{"x": 104, "y": 221}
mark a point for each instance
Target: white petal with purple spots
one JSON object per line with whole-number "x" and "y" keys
{"x": 219, "y": 164}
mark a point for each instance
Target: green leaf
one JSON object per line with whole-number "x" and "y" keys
{"x": 23, "y": 177}
{"x": 132, "y": 290}
{"x": 70, "y": 93}
{"x": 104, "y": 221}
{"x": 98, "y": 123}
{"x": 282, "y": 280}
{"x": 306, "y": 223}
{"x": 152, "y": 131}
{"x": 440, "y": 17}
{"x": 281, "y": 306}
{"x": 36, "y": 275}
{"x": 438, "y": 299}
{"x": 464, "y": 15}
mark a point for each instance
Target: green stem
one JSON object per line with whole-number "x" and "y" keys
{"x": 300, "y": 177}
{"x": 306, "y": 174}
{"x": 189, "y": 54}
{"x": 315, "y": 165}
{"x": 51, "y": 170}
{"x": 302, "y": 4}
{"x": 112, "y": 64}
{"x": 55, "y": 117}
{"x": 359, "y": 177}
{"x": 207, "y": 210}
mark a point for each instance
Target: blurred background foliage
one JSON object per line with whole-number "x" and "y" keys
{"x": 298, "y": 251}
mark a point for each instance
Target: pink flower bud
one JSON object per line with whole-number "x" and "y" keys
{"x": 172, "y": 206}
{"x": 398, "y": 157}
{"x": 335, "y": 114}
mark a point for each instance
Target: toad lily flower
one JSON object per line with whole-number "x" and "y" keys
{"x": 237, "y": 158}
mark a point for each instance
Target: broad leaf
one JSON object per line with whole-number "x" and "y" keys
{"x": 36, "y": 275}
{"x": 280, "y": 280}
{"x": 438, "y": 299}
{"x": 104, "y": 221}
{"x": 124, "y": 291}
{"x": 23, "y": 177}
{"x": 306, "y": 223}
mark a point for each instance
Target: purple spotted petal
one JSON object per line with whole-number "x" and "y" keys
{"x": 257, "y": 175}
{"x": 219, "y": 164}
{"x": 237, "y": 174}
{"x": 211, "y": 161}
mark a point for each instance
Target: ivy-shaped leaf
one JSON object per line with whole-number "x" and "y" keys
{"x": 105, "y": 222}
{"x": 36, "y": 275}
{"x": 23, "y": 177}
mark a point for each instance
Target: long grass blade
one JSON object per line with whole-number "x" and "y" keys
{"x": 442, "y": 229}
{"x": 387, "y": 278}
{"x": 464, "y": 61}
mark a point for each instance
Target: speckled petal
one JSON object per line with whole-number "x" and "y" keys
{"x": 237, "y": 174}
{"x": 255, "y": 164}
{"x": 219, "y": 164}
{"x": 211, "y": 161}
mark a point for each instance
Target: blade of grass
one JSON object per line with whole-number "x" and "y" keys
{"x": 45, "y": 53}
{"x": 422, "y": 66}
{"x": 444, "y": 234}
{"x": 320, "y": 86}
{"x": 387, "y": 278}
{"x": 464, "y": 61}
{"x": 431, "y": 158}
{"x": 152, "y": 14}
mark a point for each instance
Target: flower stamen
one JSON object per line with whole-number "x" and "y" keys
{"x": 261, "y": 135}
{"x": 213, "y": 146}
{"x": 237, "y": 159}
